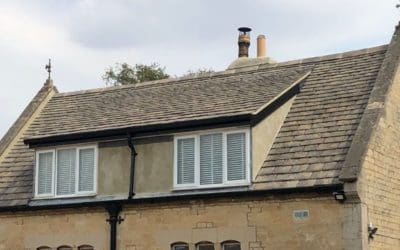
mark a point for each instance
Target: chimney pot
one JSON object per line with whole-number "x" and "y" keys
{"x": 244, "y": 41}
{"x": 261, "y": 46}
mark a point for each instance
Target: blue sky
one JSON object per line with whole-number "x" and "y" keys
{"x": 85, "y": 37}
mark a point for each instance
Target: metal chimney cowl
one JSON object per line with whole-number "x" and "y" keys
{"x": 244, "y": 41}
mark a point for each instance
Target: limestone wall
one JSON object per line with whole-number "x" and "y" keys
{"x": 257, "y": 223}
{"x": 379, "y": 182}
{"x": 30, "y": 230}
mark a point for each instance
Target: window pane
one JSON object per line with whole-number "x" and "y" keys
{"x": 185, "y": 161}
{"x": 45, "y": 173}
{"x": 231, "y": 246}
{"x": 86, "y": 169}
{"x": 66, "y": 171}
{"x": 64, "y": 248}
{"x": 85, "y": 247}
{"x": 211, "y": 159}
{"x": 180, "y": 247}
{"x": 43, "y": 248}
{"x": 236, "y": 156}
{"x": 205, "y": 246}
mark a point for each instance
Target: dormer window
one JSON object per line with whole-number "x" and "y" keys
{"x": 212, "y": 159}
{"x": 66, "y": 172}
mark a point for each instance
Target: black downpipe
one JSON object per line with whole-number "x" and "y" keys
{"x": 115, "y": 208}
{"x": 132, "y": 175}
{"x": 113, "y": 211}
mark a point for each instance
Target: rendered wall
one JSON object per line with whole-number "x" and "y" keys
{"x": 113, "y": 169}
{"x": 154, "y": 165}
{"x": 264, "y": 133}
{"x": 258, "y": 223}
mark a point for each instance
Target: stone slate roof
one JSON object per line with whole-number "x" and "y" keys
{"x": 309, "y": 149}
{"x": 162, "y": 102}
{"x": 16, "y": 170}
{"x": 313, "y": 142}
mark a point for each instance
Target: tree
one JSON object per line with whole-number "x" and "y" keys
{"x": 123, "y": 74}
{"x": 198, "y": 72}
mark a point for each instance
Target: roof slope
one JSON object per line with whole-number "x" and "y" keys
{"x": 309, "y": 149}
{"x": 24, "y": 117}
{"x": 161, "y": 103}
{"x": 313, "y": 142}
{"x": 16, "y": 168}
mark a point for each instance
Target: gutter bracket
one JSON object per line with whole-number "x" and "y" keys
{"x": 113, "y": 210}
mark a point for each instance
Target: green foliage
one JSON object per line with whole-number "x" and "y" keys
{"x": 198, "y": 72}
{"x": 123, "y": 74}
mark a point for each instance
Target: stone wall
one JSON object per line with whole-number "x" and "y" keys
{"x": 379, "y": 182}
{"x": 76, "y": 227}
{"x": 257, "y": 223}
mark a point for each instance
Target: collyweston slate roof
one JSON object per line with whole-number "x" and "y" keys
{"x": 309, "y": 149}
{"x": 162, "y": 102}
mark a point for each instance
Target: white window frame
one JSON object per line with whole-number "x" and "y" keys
{"x": 86, "y": 193}
{"x": 225, "y": 182}
{"x": 37, "y": 173}
{"x": 77, "y": 174}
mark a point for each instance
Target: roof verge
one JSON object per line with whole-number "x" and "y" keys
{"x": 373, "y": 111}
{"x": 19, "y": 124}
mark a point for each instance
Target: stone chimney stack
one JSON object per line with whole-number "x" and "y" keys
{"x": 244, "y": 41}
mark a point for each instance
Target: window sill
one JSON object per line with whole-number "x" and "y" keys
{"x": 208, "y": 187}
{"x": 64, "y": 196}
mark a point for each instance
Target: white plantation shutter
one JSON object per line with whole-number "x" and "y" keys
{"x": 211, "y": 161}
{"x": 66, "y": 159}
{"x": 185, "y": 160}
{"x": 86, "y": 169}
{"x": 236, "y": 156}
{"x": 45, "y": 173}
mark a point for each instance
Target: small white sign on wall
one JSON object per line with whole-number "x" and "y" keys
{"x": 300, "y": 215}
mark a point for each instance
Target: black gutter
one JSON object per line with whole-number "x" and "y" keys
{"x": 113, "y": 210}
{"x": 205, "y": 196}
{"x": 121, "y": 132}
{"x": 132, "y": 173}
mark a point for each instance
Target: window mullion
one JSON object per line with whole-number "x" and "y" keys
{"x": 55, "y": 172}
{"x": 224, "y": 159}
{"x": 54, "y": 168}
{"x": 197, "y": 159}
{"x": 248, "y": 156}
{"x": 37, "y": 173}
{"x": 77, "y": 174}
